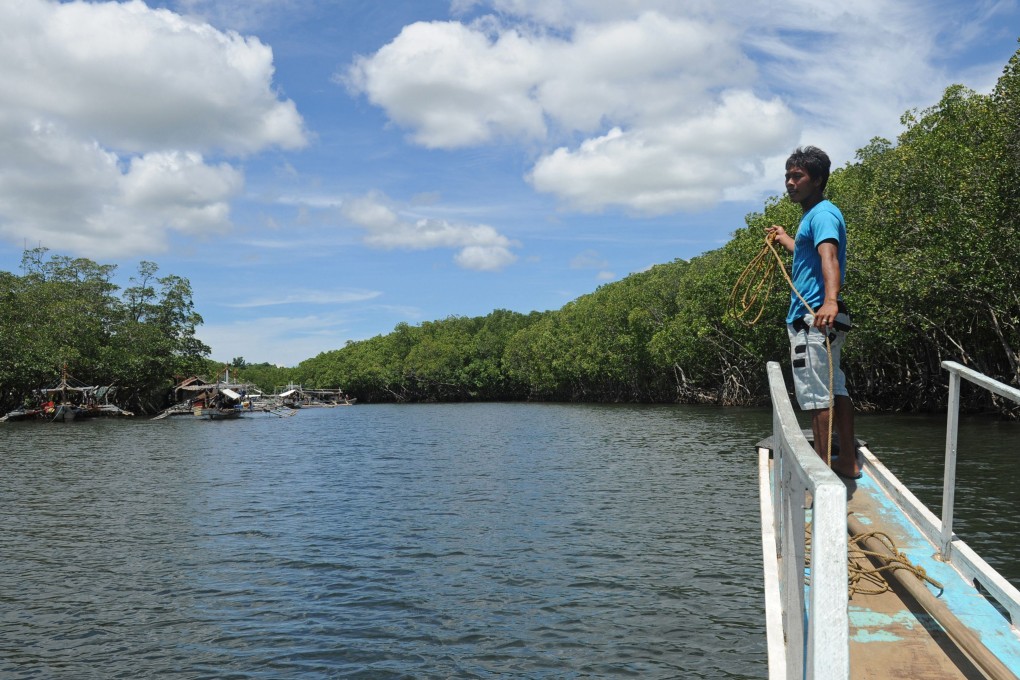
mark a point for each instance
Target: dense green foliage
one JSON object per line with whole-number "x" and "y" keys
{"x": 267, "y": 377}
{"x": 932, "y": 274}
{"x": 65, "y": 313}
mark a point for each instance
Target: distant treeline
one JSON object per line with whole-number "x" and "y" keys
{"x": 66, "y": 314}
{"x": 933, "y": 271}
{"x": 932, "y": 274}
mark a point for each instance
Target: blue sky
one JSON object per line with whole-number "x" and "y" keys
{"x": 323, "y": 170}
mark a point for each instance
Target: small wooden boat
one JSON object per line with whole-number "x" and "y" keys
{"x": 943, "y": 613}
{"x": 296, "y": 396}
{"x": 64, "y": 412}
{"x": 217, "y": 413}
{"x": 221, "y": 403}
{"x": 61, "y": 408}
{"x": 67, "y": 401}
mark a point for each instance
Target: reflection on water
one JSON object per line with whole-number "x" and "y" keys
{"x": 438, "y": 541}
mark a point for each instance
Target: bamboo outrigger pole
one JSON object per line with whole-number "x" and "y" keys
{"x": 964, "y": 637}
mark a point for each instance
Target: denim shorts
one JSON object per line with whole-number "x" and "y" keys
{"x": 811, "y": 363}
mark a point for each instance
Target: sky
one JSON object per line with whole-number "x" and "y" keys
{"x": 322, "y": 170}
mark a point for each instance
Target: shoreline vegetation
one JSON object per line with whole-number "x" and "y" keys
{"x": 933, "y": 273}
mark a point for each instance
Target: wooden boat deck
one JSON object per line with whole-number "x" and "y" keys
{"x": 891, "y": 635}
{"x": 960, "y": 627}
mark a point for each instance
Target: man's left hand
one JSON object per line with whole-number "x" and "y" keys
{"x": 826, "y": 315}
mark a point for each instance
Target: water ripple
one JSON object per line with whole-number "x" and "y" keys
{"x": 472, "y": 541}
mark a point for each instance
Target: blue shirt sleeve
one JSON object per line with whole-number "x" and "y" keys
{"x": 824, "y": 227}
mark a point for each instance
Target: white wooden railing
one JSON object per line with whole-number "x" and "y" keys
{"x": 952, "y": 549}
{"x": 815, "y": 622}
{"x": 808, "y": 627}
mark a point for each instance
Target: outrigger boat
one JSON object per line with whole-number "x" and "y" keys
{"x": 296, "y": 396}
{"x": 946, "y": 612}
{"x": 68, "y": 401}
{"x": 220, "y": 403}
{"x": 220, "y": 400}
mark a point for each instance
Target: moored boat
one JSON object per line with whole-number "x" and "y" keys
{"x": 64, "y": 412}
{"x": 296, "y": 396}
{"x": 214, "y": 413}
{"x": 67, "y": 401}
{"x": 220, "y": 403}
{"x": 861, "y": 579}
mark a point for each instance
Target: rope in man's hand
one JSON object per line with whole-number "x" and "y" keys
{"x": 751, "y": 292}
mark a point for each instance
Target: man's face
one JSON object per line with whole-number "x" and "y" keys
{"x": 800, "y": 186}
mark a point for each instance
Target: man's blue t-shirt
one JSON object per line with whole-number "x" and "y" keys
{"x": 823, "y": 222}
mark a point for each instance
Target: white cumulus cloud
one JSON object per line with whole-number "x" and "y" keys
{"x": 656, "y": 106}
{"x": 669, "y": 167}
{"x": 453, "y": 85}
{"x": 109, "y": 113}
{"x": 481, "y": 247}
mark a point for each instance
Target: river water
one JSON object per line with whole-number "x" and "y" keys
{"x": 429, "y": 541}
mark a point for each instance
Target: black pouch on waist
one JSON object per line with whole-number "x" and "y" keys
{"x": 842, "y": 309}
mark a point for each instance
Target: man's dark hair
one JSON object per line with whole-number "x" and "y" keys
{"x": 812, "y": 160}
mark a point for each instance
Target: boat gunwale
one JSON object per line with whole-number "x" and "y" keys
{"x": 815, "y": 627}
{"x": 965, "y": 561}
{"x": 968, "y": 569}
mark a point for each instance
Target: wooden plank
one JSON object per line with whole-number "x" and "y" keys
{"x": 891, "y": 635}
{"x": 890, "y": 640}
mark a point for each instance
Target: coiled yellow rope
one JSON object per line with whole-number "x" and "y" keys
{"x": 756, "y": 279}
{"x": 872, "y": 580}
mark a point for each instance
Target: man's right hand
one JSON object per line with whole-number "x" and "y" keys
{"x": 778, "y": 234}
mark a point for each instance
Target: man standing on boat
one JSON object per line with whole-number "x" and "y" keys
{"x": 819, "y": 271}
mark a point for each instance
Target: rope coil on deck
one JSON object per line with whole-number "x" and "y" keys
{"x": 893, "y": 562}
{"x": 872, "y": 580}
{"x": 989, "y": 664}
